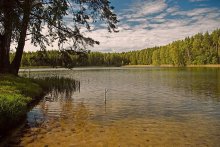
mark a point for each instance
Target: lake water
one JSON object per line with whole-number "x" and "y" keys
{"x": 128, "y": 107}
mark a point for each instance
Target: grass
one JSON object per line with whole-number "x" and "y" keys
{"x": 16, "y": 93}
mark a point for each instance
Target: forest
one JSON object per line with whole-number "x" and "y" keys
{"x": 196, "y": 50}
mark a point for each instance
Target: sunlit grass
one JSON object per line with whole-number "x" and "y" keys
{"x": 15, "y": 95}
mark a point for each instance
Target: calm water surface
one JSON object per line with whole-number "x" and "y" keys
{"x": 143, "y": 107}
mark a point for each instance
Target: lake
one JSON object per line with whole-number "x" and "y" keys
{"x": 127, "y": 107}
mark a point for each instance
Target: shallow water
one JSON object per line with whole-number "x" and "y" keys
{"x": 143, "y": 107}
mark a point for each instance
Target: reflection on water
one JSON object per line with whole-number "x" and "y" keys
{"x": 144, "y": 107}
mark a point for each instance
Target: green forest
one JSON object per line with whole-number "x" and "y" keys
{"x": 196, "y": 50}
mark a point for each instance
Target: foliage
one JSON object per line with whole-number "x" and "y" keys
{"x": 45, "y": 22}
{"x": 198, "y": 49}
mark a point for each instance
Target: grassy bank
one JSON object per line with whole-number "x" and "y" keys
{"x": 16, "y": 94}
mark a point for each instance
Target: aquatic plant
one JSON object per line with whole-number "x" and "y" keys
{"x": 55, "y": 85}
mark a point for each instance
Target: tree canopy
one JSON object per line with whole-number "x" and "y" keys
{"x": 47, "y": 21}
{"x": 198, "y": 49}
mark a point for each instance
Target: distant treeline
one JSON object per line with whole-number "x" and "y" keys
{"x": 199, "y": 49}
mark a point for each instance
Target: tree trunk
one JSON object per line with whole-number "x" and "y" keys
{"x": 4, "y": 55}
{"x": 15, "y": 65}
{"x": 5, "y": 42}
{"x": 217, "y": 54}
{"x": 189, "y": 55}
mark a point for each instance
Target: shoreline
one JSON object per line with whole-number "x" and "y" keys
{"x": 167, "y": 65}
{"x": 17, "y": 96}
{"x": 47, "y": 68}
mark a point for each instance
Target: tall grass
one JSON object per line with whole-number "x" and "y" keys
{"x": 59, "y": 86}
{"x": 15, "y": 95}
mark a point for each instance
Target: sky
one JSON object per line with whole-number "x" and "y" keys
{"x": 148, "y": 23}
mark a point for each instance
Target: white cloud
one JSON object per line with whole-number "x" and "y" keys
{"x": 138, "y": 37}
{"x": 197, "y": 0}
{"x": 172, "y": 9}
{"x": 197, "y": 12}
{"x": 149, "y": 7}
{"x": 143, "y": 8}
{"x": 140, "y": 29}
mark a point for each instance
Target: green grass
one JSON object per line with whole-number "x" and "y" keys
{"x": 15, "y": 95}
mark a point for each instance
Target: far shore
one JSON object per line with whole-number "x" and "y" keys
{"x": 167, "y": 65}
{"x": 46, "y": 68}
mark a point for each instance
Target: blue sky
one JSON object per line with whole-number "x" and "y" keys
{"x": 149, "y": 23}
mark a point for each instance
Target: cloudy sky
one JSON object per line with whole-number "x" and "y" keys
{"x": 149, "y": 23}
